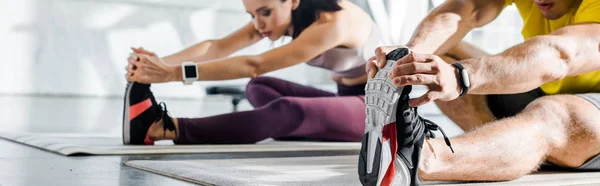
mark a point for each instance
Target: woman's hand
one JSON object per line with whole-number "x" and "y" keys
{"x": 141, "y": 50}
{"x": 145, "y": 67}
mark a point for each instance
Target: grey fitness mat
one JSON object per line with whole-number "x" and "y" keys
{"x": 94, "y": 144}
{"x": 324, "y": 170}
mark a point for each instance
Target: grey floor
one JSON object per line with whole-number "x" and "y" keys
{"x": 24, "y": 165}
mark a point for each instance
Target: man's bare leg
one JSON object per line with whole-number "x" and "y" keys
{"x": 470, "y": 111}
{"x": 563, "y": 130}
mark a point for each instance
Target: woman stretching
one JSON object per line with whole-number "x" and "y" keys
{"x": 333, "y": 34}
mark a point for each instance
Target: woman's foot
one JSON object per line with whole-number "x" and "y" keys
{"x": 140, "y": 111}
{"x": 157, "y": 132}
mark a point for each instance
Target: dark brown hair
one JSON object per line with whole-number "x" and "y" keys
{"x": 308, "y": 12}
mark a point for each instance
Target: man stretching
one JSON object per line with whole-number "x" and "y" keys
{"x": 537, "y": 102}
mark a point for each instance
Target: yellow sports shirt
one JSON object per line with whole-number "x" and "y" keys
{"x": 535, "y": 24}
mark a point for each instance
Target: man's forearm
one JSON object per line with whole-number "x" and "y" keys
{"x": 519, "y": 69}
{"x": 568, "y": 51}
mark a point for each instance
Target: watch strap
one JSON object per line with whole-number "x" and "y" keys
{"x": 462, "y": 80}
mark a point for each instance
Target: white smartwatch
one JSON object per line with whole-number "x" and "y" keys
{"x": 189, "y": 71}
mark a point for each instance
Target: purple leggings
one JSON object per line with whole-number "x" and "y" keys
{"x": 283, "y": 110}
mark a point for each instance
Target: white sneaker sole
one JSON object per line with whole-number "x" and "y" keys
{"x": 381, "y": 99}
{"x": 126, "y": 122}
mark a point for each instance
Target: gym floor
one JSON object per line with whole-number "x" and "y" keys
{"x": 24, "y": 165}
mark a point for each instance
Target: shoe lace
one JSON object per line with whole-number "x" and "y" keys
{"x": 167, "y": 122}
{"x": 430, "y": 126}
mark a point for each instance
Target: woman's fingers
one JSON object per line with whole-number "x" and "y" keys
{"x": 143, "y": 51}
{"x": 130, "y": 77}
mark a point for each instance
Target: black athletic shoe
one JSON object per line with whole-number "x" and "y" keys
{"x": 394, "y": 133}
{"x": 140, "y": 110}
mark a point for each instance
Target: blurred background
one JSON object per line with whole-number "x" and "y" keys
{"x": 62, "y": 59}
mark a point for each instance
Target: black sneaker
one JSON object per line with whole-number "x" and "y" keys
{"x": 394, "y": 133}
{"x": 140, "y": 110}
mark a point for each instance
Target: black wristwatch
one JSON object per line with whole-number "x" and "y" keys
{"x": 463, "y": 78}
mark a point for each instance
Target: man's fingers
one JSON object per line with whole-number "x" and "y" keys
{"x": 416, "y": 79}
{"x": 380, "y": 54}
{"x": 413, "y": 68}
{"x": 373, "y": 71}
{"x": 426, "y": 98}
{"x": 371, "y": 67}
{"x": 414, "y": 57}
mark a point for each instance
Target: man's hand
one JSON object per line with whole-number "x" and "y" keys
{"x": 378, "y": 61}
{"x": 429, "y": 70}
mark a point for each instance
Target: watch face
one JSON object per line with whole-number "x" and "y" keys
{"x": 190, "y": 72}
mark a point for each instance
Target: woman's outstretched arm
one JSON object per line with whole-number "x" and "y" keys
{"x": 214, "y": 49}
{"x": 314, "y": 40}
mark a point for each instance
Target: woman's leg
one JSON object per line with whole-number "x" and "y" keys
{"x": 279, "y": 117}
{"x": 262, "y": 90}
{"x": 333, "y": 118}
